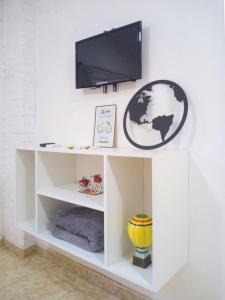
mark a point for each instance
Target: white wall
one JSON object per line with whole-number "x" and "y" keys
{"x": 183, "y": 41}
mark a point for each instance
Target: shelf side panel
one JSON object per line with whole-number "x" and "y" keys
{"x": 170, "y": 215}
{"x": 69, "y": 193}
{"x": 147, "y": 186}
{"x": 25, "y": 186}
{"x": 124, "y": 198}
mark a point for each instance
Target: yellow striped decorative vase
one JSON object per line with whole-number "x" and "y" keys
{"x": 140, "y": 233}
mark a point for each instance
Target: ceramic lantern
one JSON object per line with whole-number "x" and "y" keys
{"x": 140, "y": 233}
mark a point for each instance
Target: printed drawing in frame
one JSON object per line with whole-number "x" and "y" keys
{"x": 105, "y": 117}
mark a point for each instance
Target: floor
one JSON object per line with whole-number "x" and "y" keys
{"x": 35, "y": 277}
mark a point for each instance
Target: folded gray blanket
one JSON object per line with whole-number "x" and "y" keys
{"x": 80, "y": 226}
{"x": 77, "y": 240}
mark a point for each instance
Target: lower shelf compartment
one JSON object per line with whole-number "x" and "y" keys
{"x": 123, "y": 269}
{"x": 95, "y": 258}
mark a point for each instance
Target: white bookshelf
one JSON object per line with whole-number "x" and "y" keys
{"x": 135, "y": 181}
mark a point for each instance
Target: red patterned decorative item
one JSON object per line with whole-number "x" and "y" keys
{"x": 97, "y": 178}
{"x": 92, "y": 186}
{"x": 83, "y": 184}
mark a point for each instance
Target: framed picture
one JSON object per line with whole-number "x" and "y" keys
{"x": 105, "y": 117}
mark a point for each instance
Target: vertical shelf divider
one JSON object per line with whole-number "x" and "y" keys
{"x": 35, "y": 190}
{"x": 170, "y": 215}
{"x": 105, "y": 168}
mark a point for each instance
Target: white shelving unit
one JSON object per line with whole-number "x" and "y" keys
{"x": 152, "y": 182}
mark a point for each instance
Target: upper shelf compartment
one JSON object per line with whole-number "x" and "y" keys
{"x": 58, "y": 175}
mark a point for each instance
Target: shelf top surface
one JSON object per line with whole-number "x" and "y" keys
{"x": 69, "y": 193}
{"x": 123, "y": 152}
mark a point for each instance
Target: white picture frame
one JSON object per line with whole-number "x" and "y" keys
{"x": 104, "y": 128}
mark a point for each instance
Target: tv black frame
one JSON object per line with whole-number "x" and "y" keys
{"x": 139, "y": 23}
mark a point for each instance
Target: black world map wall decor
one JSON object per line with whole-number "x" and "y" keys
{"x": 155, "y": 114}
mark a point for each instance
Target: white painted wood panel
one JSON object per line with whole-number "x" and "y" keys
{"x": 121, "y": 152}
{"x": 170, "y": 215}
{"x": 69, "y": 193}
{"x": 25, "y": 186}
{"x": 139, "y": 276}
{"x": 147, "y": 182}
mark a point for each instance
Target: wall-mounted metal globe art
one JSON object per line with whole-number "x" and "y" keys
{"x": 155, "y": 114}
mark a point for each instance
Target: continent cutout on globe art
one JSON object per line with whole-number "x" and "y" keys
{"x": 155, "y": 114}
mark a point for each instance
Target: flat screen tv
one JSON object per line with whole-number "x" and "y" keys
{"x": 109, "y": 58}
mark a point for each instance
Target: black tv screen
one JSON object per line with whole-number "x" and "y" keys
{"x": 111, "y": 57}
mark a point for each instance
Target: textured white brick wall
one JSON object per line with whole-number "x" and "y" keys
{"x": 18, "y": 111}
